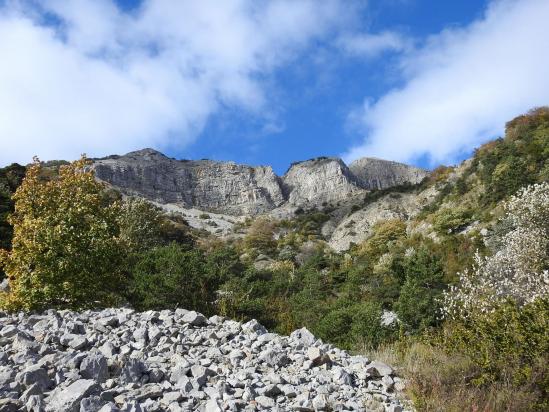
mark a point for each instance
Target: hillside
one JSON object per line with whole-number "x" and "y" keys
{"x": 369, "y": 257}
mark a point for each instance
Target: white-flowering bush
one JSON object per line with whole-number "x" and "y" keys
{"x": 519, "y": 270}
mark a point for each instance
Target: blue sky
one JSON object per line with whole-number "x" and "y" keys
{"x": 267, "y": 82}
{"x": 315, "y": 101}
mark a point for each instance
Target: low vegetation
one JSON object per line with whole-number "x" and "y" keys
{"x": 457, "y": 297}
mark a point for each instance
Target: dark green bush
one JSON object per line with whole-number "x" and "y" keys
{"x": 417, "y": 305}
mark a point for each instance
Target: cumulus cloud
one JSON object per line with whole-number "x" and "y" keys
{"x": 461, "y": 87}
{"x": 84, "y": 76}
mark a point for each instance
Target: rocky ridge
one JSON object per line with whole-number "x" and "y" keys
{"x": 121, "y": 360}
{"x": 223, "y": 187}
{"x": 238, "y": 190}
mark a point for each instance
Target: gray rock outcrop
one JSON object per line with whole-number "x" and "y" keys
{"x": 373, "y": 173}
{"x": 180, "y": 361}
{"x": 321, "y": 180}
{"x": 240, "y": 190}
{"x": 205, "y": 184}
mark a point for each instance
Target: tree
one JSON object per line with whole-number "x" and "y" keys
{"x": 418, "y": 301}
{"x": 66, "y": 251}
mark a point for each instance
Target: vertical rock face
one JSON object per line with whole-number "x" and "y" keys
{"x": 209, "y": 185}
{"x": 373, "y": 173}
{"x": 319, "y": 180}
{"x": 230, "y": 188}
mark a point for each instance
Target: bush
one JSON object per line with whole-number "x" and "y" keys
{"x": 418, "y": 303}
{"x": 141, "y": 224}
{"x": 66, "y": 252}
{"x": 519, "y": 270}
{"x": 170, "y": 277}
{"x": 260, "y": 237}
{"x": 452, "y": 220}
{"x": 508, "y": 343}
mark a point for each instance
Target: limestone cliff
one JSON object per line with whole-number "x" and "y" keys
{"x": 209, "y": 185}
{"x": 240, "y": 190}
{"x": 375, "y": 173}
{"x": 317, "y": 181}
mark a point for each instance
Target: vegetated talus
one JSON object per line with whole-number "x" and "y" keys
{"x": 118, "y": 359}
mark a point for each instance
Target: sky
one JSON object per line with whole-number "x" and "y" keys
{"x": 267, "y": 82}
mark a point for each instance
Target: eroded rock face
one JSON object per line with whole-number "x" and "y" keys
{"x": 181, "y": 361}
{"x": 239, "y": 190}
{"x": 373, "y": 173}
{"x": 318, "y": 181}
{"x": 208, "y": 185}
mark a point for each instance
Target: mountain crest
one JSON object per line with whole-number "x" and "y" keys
{"x": 236, "y": 189}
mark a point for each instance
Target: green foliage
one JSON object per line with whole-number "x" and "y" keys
{"x": 506, "y": 165}
{"x": 385, "y": 234}
{"x": 452, "y": 220}
{"x": 418, "y": 301}
{"x": 510, "y": 344}
{"x": 260, "y": 237}
{"x": 176, "y": 275}
{"x": 65, "y": 251}
{"x": 354, "y": 325}
{"x": 140, "y": 224}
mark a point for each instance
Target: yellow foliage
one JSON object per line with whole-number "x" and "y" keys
{"x": 385, "y": 232}
{"x": 66, "y": 251}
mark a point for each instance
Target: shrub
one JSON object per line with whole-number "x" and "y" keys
{"x": 66, "y": 252}
{"x": 170, "y": 277}
{"x": 507, "y": 343}
{"x": 260, "y": 236}
{"x": 141, "y": 224}
{"x": 417, "y": 305}
{"x": 385, "y": 233}
{"x": 452, "y": 220}
{"x": 519, "y": 270}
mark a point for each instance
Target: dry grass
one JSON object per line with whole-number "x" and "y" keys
{"x": 437, "y": 381}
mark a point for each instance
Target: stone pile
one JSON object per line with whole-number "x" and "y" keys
{"x": 121, "y": 360}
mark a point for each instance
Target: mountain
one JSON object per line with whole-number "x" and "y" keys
{"x": 234, "y": 189}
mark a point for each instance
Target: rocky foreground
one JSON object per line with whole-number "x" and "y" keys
{"x": 121, "y": 360}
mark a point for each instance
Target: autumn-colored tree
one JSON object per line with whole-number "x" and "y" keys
{"x": 66, "y": 249}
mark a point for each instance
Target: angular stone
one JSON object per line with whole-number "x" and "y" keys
{"x": 68, "y": 399}
{"x": 109, "y": 407}
{"x": 149, "y": 391}
{"x": 275, "y": 358}
{"x": 195, "y": 319}
{"x": 379, "y": 369}
{"x": 35, "y": 375}
{"x": 94, "y": 366}
{"x": 342, "y": 377}
{"x": 132, "y": 371}
{"x": 303, "y": 336}
{"x": 78, "y": 342}
{"x": 253, "y": 326}
{"x": 265, "y": 402}
{"x": 91, "y": 404}
{"x": 32, "y": 390}
{"x": 35, "y": 403}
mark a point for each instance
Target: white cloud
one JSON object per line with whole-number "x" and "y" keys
{"x": 462, "y": 86}
{"x": 371, "y": 45}
{"x": 104, "y": 81}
